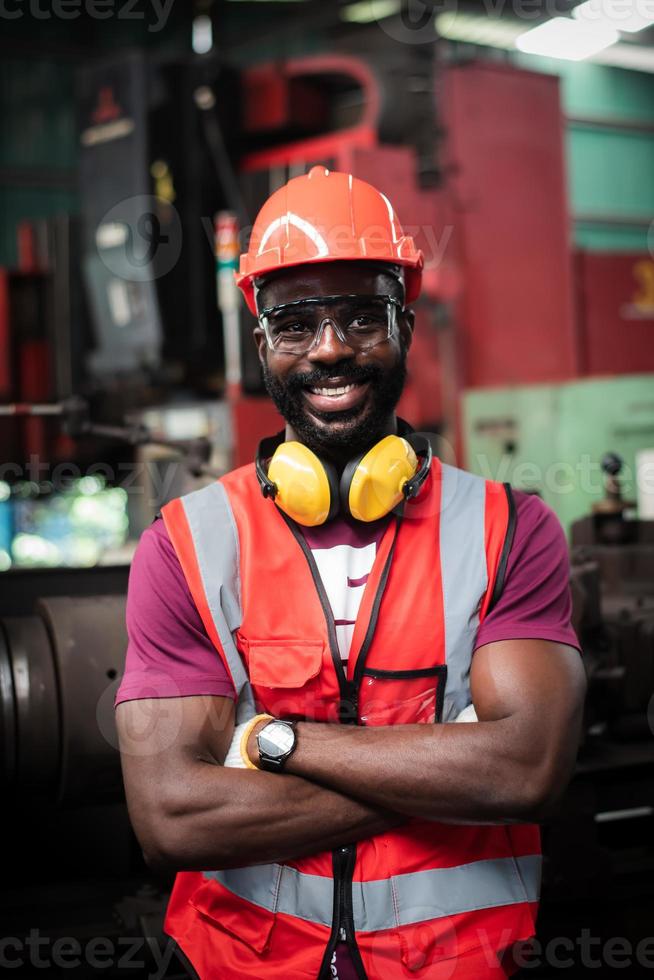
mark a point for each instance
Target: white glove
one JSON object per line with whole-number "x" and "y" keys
{"x": 234, "y": 759}
{"x": 468, "y": 714}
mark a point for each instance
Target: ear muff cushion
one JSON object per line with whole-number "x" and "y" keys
{"x": 376, "y": 485}
{"x": 307, "y": 488}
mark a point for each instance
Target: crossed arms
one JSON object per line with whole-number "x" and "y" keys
{"x": 345, "y": 783}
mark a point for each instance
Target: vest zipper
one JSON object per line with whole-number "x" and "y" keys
{"x": 343, "y": 861}
{"x": 344, "y": 858}
{"x": 348, "y": 858}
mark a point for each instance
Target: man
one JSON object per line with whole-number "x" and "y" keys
{"x": 363, "y": 835}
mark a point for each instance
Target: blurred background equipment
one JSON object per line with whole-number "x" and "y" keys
{"x": 549, "y": 439}
{"x": 617, "y": 612}
{"x": 136, "y": 150}
{"x": 56, "y": 746}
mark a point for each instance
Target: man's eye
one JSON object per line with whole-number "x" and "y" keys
{"x": 292, "y": 327}
{"x": 365, "y": 320}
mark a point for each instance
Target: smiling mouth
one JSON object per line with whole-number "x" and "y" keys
{"x": 336, "y": 395}
{"x": 332, "y": 392}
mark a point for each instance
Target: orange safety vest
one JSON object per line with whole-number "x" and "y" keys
{"x": 413, "y": 901}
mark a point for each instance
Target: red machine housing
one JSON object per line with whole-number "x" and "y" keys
{"x": 615, "y": 304}
{"x": 510, "y": 225}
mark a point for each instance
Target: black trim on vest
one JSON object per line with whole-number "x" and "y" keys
{"x": 372, "y": 623}
{"x": 440, "y": 692}
{"x": 498, "y": 588}
{"x": 324, "y": 602}
{"x": 397, "y": 675}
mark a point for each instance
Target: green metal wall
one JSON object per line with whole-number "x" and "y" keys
{"x": 610, "y": 151}
{"x": 551, "y": 438}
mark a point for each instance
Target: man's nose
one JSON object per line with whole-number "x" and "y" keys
{"x": 330, "y": 347}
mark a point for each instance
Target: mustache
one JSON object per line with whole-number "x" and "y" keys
{"x": 344, "y": 369}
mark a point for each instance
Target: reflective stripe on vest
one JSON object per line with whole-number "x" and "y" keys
{"x": 219, "y": 564}
{"x": 463, "y": 574}
{"x": 387, "y": 903}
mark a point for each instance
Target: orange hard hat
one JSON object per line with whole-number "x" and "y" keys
{"x": 325, "y": 216}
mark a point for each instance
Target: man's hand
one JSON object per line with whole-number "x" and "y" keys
{"x": 510, "y": 767}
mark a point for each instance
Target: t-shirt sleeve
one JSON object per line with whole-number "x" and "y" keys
{"x": 169, "y": 653}
{"x": 536, "y": 601}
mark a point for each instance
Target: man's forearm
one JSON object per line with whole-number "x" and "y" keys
{"x": 457, "y": 773}
{"x": 231, "y": 817}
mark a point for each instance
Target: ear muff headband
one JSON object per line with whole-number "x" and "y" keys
{"x": 422, "y": 446}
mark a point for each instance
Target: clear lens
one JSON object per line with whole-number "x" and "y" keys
{"x": 360, "y": 321}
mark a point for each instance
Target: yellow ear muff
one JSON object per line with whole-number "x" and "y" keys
{"x": 377, "y": 482}
{"x": 303, "y": 485}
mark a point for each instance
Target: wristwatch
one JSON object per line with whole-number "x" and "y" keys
{"x": 276, "y": 742}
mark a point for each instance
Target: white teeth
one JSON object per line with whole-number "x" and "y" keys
{"x": 331, "y": 392}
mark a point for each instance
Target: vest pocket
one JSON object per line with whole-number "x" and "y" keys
{"x": 402, "y": 697}
{"x": 283, "y": 663}
{"x": 288, "y": 677}
{"x": 249, "y": 923}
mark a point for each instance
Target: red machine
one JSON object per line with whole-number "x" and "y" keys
{"x": 615, "y": 294}
{"x": 25, "y": 362}
{"x": 507, "y": 190}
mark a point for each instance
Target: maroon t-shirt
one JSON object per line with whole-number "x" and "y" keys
{"x": 170, "y": 655}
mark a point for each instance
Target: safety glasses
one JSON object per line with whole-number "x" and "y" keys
{"x": 360, "y": 322}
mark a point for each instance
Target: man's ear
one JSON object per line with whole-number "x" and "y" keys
{"x": 407, "y": 323}
{"x": 260, "y": 341}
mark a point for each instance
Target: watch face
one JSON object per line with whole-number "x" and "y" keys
{"x": 276, "y": 739}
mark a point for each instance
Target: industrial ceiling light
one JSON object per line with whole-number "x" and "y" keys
{"x": 202, "y": 34}
{"x": 620, "y": 15}
{"x": 494, "y": 32}
{"x": 562, "y": 37}
{"x": 368, "y": 11}
{"x": 635, "y": 57}
{"x": 502, "y": 32}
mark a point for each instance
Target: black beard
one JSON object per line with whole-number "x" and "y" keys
{"x": 358, "y": 433}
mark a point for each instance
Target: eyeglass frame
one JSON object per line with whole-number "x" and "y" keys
{"x": 392, "y": 302}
